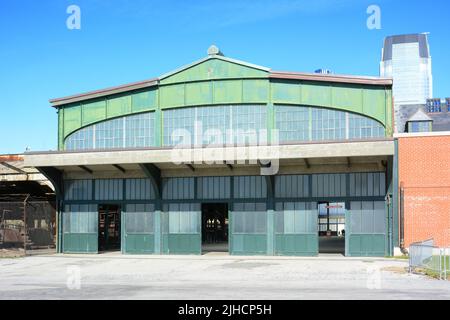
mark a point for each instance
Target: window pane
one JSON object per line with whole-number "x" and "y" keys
{"x": 296, "y": 218}
{"x": 184, "y": 218}
{"x": 139, "y": 218}
{"x": 379, "y": 217}
{"x": 250, "y": 218}
{"x": 217, "y": 125}
{"x": 125, "y": 132}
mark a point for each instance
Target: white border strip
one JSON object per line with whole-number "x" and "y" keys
{"x": 422, "y": 134}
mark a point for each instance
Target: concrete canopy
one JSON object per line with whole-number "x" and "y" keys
{"x": 317, "y": 157}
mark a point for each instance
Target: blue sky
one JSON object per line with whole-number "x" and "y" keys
{"x": 123, "y": 41}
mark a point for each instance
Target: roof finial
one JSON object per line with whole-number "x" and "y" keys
{"x": 213, "y": 51}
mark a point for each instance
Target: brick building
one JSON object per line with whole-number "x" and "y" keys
{"x": 424, "y": 182}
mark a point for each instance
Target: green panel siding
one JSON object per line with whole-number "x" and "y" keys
{"x": 366, "y": 229}
{"x": 172, "y": 96}
{"x": 217, "y": 81}
{"x": 255, "y": 91}
{"x": 347, "y": 98}
{"x": 61, "y": 129}
{"x": 229, "y": 91}
{"x": 370, "y": 101}
{"x": 185, "y": 243}
{"x": 158, "y": 127}
{"x": 80, "y": 243}
{"x": 388, "y": 121}
{"x": 214, "y": 69}
{"x": 286, "y": 92}
{"x": 143, "y": 101}
{"x": 94, "y": 112}
{"x": 118, "y": 106}
{"x": 139, "y": 243}
{"x": 296, "y": 244}
{"x": 366, "y": 245}
{"x": 374, "y": 103}
{"x": 72, "y": 119}
{"x": 316, "y": 94}
{"x": 198, "y": 93}
{"x": 248, "y": 244}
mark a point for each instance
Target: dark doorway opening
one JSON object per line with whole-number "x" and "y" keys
{"x": 214, "y": 227}
{"x": 331, "y": 227}
{"x": 108, "y": 227}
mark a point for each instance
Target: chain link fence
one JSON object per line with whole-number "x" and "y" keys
{"x": 425, "y": 256}
{"x": 27, "y": 225}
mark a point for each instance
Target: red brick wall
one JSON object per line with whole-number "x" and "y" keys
{"x": 11, "y": 157}
{"x": 424, "y": 172}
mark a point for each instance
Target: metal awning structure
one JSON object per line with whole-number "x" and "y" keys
{"x": 16, "y": 178}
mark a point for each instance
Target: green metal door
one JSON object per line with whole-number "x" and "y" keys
{"x": 80, "y": 228}
{"x": 365, "y": 229}
{"x": 184, "y": 228}
{"x": 248, "y": 231}
{"x": 296, "y": 229}
{"x": 138, "y": 229}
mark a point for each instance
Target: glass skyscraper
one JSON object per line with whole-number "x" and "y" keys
{"x": 407, "y": 59}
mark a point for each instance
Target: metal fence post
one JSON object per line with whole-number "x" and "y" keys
{"x": 445, "y": 263}
{"x": 409, "y": 259}
{"x": 25, "y": 224}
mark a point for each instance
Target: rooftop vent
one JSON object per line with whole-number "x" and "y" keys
{"x": 213, "y": 51}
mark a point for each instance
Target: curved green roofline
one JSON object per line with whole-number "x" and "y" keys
{"x": 218, "y": 80}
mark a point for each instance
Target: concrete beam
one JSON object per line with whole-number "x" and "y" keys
{"x": 256, "y": 170}
{"x": 10, "y": 166}
{"x": 55, "y": 176}
{"x": 154, "y": 174}
{"x": 228, "y": 154}
{"x": 131, "y": 174}
{"x": 86, "y": 169}
{"x": 307, "y": 164}
{"x": 23, "y": 177}
{"x": 119, "y": 168}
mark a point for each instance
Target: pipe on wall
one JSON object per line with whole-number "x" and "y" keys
{"x": 402, "y": 220}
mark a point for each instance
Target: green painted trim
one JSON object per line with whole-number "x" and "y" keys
{"x": 306, "y": 244}
{"x": 370, "y": 101}
{"x": 60, "y": 229}
{"x": 214, "y": 67}
{"x": 310, "y": 125}
{"x": 364, "y": 245}
{"x": 60, "y": 129}
{"x": 135, "y": 243}
{"x": 157, "y": 232}
{"x": 80, "y": 242}
{"x": 395, "y": 197}
{"x": 159, "y": 134}
{"x": 230, "y": 223}
{"x": 250, "y": 244}
{"x": 270, "y": 232}
{"x": 185, "y": 243}
{"x": 123, "y": 234}
{"x": 271, "y": 124}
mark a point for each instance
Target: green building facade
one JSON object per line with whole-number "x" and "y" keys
{"x": 120, "y": 188}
